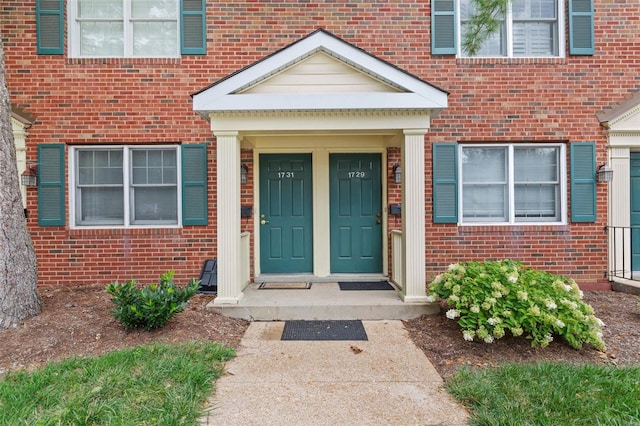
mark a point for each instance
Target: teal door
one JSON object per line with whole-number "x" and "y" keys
{"x": 356, "y": 213}
{"x": 286, "y": 220}
{"x": 635, "y": 211}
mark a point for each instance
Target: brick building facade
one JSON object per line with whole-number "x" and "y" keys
{"x": 507, "y": 110}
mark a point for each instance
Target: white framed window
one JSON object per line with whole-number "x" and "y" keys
{"x": 530, "y": 28}
{"x": 512, "y": 183}
{"x": 122, "y": 186}
{"x": 124, "y": 28}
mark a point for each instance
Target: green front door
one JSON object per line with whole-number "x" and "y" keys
{"x": 286, "y": 220}
{"x": 356, "y": 213}
{"x": 635, "y": 211}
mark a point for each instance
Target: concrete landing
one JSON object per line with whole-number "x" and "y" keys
{"x": 323, "y": 301}
{"x": 386, "y": 380}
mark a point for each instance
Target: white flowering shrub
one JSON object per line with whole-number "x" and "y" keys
{"x": 490, "y": 299}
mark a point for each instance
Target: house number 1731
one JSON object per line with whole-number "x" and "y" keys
{"x": 285, "y": 175}
{"x": 356, "y": 174}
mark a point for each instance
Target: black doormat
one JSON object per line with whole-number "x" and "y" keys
{"x": 285, "y": 286}
{"x": 324, "y": 330}
{"x": 365, "y": 285}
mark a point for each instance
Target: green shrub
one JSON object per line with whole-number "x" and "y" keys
{"x": 495, "y": 297}
{"x": 151, "y": 306}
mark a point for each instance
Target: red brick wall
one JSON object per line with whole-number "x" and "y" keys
{"x": 79, "y": 101}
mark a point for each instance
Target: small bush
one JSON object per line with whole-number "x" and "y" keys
{"x": 494, "y": 297}
{"x": 151, "y": 306}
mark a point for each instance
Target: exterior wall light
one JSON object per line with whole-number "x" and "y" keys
{"x": 605, "y": 173}
{"x": 29, "y": 177}
{"x": 244, "y": 174}
{"x": 397, "y": 173}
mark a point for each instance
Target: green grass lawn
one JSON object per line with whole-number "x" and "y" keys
{"x": 155, "y": 384}
{"x": 550, "y": 394}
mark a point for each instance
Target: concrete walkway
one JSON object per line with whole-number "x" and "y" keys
{"x": 385, "y": 380}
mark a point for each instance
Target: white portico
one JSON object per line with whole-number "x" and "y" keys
{"x": 622, "y": 126}
{"x": 319, "y": 97}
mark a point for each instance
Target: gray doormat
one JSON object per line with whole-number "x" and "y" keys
{"x": 365, "y": 285}
{"x": 324, "y": 330}
{"x": 284, "y": 286}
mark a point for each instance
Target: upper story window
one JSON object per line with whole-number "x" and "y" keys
{"x": 121, "y": 28}
{"x": 124, "y": 28}
{"x": 530, "y": 28}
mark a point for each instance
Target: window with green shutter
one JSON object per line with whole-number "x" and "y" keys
{"x": 133, "y": 186}
{"x": 50, "y": 27}
{"x": 583, "y": 182}
{"x": 193, "y": 28}
{"x": 194, "y": 184}
{"x": 581, "y": 37}
{"x": 445, "y": 183}
{"x": 51, "y": 201}
{"x": 136, "y": 28}
{"x": 528, "y": 28}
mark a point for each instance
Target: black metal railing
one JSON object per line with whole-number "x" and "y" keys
{"x": 622, "y": 242}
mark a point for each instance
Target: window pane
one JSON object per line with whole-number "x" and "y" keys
{"x": 155, "y": 204}
{"x": 534, "y": 39}
{"x": 536, "y": 202}
{"x": 537, "y": 184}
{"x": 101, "y": 39}
{"x": 154, "y": 9}
{"x": 104, "y": 9}
{"x": 101, "y": 206}
{"x": 495, "y": 44}
{"x": 484, "y": 164}
{"x": 536, "y": 164}
{"x": 155, "y": 38}
{"x": 484, "y": 203}
{"x": 534, "y": 9}
{"x": 154, "y": 167}
{"x": 484, "y": 190}
{"x": 100, "y": 167}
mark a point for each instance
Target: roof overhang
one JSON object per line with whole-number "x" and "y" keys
{"x": 235, "y": 93}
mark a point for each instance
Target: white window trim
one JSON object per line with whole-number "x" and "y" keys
{"x": 73, "y": 31}
{"x": 509, "y": 29}
{"x": 126, "y": 183}
{"x": 511, "y": 186}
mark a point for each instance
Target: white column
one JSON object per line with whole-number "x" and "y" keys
{"x": 228, "y": 223}
{"x": 413, "y": 214}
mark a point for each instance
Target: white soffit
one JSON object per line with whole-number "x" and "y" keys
{"x": 320, "y": 73}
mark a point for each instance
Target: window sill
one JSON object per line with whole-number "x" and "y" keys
{"x": 94, "y": 231}
{"x": 513, "y": 229}
{"x": 124, "y": 61}
{"x": 511, "y": 61}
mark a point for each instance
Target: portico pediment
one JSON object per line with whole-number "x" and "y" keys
{"x": 320, "y": 72}
{"x": 622, "y": 118}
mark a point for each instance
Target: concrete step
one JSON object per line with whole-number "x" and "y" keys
{"x": 323, "y": 301}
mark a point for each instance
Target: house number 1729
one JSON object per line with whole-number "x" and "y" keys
{"x": 284, "y": 175}
{"x": 356, "y": 174}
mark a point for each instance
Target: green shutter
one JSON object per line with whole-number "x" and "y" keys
{"x": 51, "y": 204}
{"x": 443, "y": 27}
{"x": 193, "y": 39}
{"x": 194, "y": 184}
{"x": 581, "y": 37}
{"x": 50, "y": 28}
{"x": 445, "y": 183}
{"x": 583, "y": 182}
